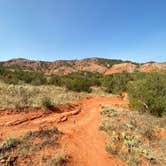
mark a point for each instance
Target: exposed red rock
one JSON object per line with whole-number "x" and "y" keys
{"x": 100, "y": 65}
{"x": 119, "y": 68}
{"x": 150, "y": 67}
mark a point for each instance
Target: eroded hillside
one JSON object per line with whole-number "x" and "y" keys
{"x": 100, "y": 65}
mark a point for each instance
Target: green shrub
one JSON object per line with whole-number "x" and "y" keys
{"x": 127, "y": 137}
{"x": 78, "y": 85}
{"x": 110, "y": 149}
{"x": 149, "y": 94}
{"x": 54, "y": 80}
{"x": 46, "y": 103}
{"x": 18, "y": 75}
{"x": 77, "y": 81}
{"x": 81, "y": 81}
{"x": 10, "y": 143}
{"x": 117, "y": 83}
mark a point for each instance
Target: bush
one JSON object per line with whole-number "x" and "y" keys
{"x": 59, "y": 160}
{"x": 117, "y": 83}
{"x": 54, "y": 80}
{"x": 18, "y": 75}
{"x": 149, "y": 94}
{"x": 10, "y": 143}
{"x": 77, "y": 81}
{"x": 110, "y": 149}
{"x": 81, "y": 81}
{"x": 46, "y": 103}
{"x": 78, "y": 85}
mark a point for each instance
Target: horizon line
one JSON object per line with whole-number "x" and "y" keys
{"x": 125, "y": 60}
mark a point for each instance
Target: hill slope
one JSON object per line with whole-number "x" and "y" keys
{"x": 101, "y": 65}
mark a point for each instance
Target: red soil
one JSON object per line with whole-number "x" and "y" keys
{"x": 82, "y": 139}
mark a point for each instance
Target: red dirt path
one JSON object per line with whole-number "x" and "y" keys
{"x": 82, "y": 139}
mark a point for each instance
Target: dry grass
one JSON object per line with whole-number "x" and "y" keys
{"x": 22, "y": 96}
{"x": 29, "y": 96}
{"x": 132, "y": 136}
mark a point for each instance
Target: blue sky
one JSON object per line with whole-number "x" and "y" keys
{"x": 74, "y": 29}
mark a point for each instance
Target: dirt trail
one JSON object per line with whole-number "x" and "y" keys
{"x": 82, "y": 139}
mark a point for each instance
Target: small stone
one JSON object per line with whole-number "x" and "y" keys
{"x": 63, "y": 119}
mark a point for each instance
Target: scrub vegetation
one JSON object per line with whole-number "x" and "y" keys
{"x": 147, "y": 91}
{"x": 16, "y": 151}
{"x": 134, "y": 137}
